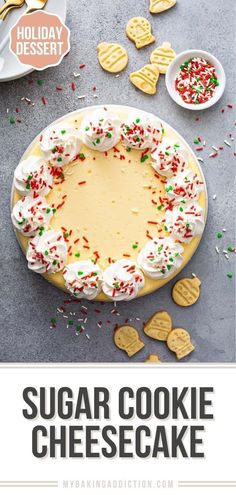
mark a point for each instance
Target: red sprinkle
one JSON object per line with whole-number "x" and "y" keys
{"x": 82, "y": 182}
{"x": 44, "y": 101}
{"x": 81, "y": 66}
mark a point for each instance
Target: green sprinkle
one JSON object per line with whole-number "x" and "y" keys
{"x": 70, "y": 322}
{"x": 143, "y": 158}
{"x": 230, "y": 249}
{"x": 53, "y": 150}
{"x": 169, "y": 267}
{"x": 78, "y": 328}
{"x": 12, "y": 120}
{"x": 53, "y": 321}
{"x": 94, "y": 274}
{"x": 229, "y": 275}
{"x": 54, "y": 210}
{"x": 40, "y": 82}
{"x": 128, "y": 149}
{"x": 109, "y": 135}
{"x": 22, "y": 221}
{"x": 66, "y": 234}
{"x": 48, "y": 210}
{"x": 98, "y": 141}
{"x": 163, "y": 271}
{"x": 63, "y": 131}
{"x": 165, "y": 228}
{"x": 166, "y": 153}
{"x": 59, "y": 159}
{"x": 81, "y": 155}
{"x": 159, "y": 207}
{"x": 187, "y": 225}
{"x": 80, "y": 273}
{"x": 181, "y": 208}
{"x": 54, "y": 262}
{"x": 171, "y": 259}
{"x": 116, "y": 285}
{"x": 27, "y": 186}
{"x": 219, "y": 235}
{"x": 29, "y": 177}
{"x": 137, "y": 139}
{"x": 137, "y": 121}
{"x": 46, "y": 253}
{"x": 77, "y": 255}
{"x": 169, "y": 188}
{"x": 163, "y": 130}
{"x": 196, "y": 141}
{"x": 135, "y": 246}
{"x": 87, "y": 128}
{"x": 160, "y": 249}
{"x": 176, "y": 254}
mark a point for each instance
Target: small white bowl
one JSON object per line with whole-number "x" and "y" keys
{"x": 173, "y": 70}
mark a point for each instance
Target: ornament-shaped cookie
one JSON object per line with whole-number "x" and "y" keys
{"x": 186, "y": 291}
{"x": 157, "y": 6}
{"x": 158, "y": 326}
{"x": 127, "y": 339}
{"x": 139, "y": 30}
{"x": 153, "y": 358}
{"x": 146, "y": 78}
{"x": 112, "y": 57}
{"x": 162, "y": 56}
{"x": 179, "y": 342}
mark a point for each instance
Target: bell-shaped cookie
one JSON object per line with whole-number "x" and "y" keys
{"x": 139, "y": 30}
{"x": 153, "y": 358}
{"x": 157, "y": 6}
{"x": 162, "y": 56}
{"x": 179, "y": 342}
{"x": 146, "y": 78}
{"x": 158, "y": 326}
{"x": 112, "y": 57}
{"x": 127, "y": 339}
{"x": 186, "y": 291}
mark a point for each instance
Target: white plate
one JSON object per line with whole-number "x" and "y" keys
{"x": 12, "y": 68}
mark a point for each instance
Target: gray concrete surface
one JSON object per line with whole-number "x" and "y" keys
{"x": 28, "y": 302}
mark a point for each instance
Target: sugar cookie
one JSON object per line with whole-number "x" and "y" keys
{"x": 186, "y": 291}
{"x": 157, "y": 6}
{"x": 127, "y": 339}
{"x": 162, "y": 56}
{"x": 158, "y": 326}
{"x": 139, "y": 30}
{"x": 146, "y": 78}
{"x": 112, "y": 57}
{"x": 179, "y": 342}
{"x": 153, "y": 358}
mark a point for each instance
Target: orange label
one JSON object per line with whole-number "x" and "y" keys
{"x": 40, "y": 40}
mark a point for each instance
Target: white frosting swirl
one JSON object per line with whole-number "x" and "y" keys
{"x": 33, "y": 176}
{"x": 83, "y": 279}
{"x": 122, "y": 280}
{"x": 100, "y": 130}
{"x": 185, "y": 221}
{"x": 160, "y": 258}
{"x": 141, "y": 131}
{"x": 169, "y": 158}
{"x": 31, "y": 215}
{"x": 47, "y": 253}
{"x": 184, "y": 187}
{"x": 60, "y": 144}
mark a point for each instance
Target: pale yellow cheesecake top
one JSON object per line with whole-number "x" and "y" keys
{"x": 106, "y": 206}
